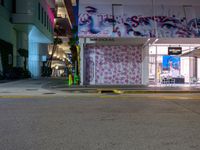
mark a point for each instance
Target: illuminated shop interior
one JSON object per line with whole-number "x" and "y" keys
{"x": 174, "y": 63}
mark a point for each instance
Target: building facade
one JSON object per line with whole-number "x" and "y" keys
{"x": 25, "y": 25}
{"x": 120, "y": 39}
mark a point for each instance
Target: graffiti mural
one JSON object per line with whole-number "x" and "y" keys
{"x": 113, "y": 65}
{"x": 93, "y": 23}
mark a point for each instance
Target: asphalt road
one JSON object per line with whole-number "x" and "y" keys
{"x": 100, "y": 122}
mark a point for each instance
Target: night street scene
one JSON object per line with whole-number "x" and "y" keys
{"x": 99, "y": 75}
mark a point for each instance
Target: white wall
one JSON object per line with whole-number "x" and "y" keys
{"x": 185, "y": 68}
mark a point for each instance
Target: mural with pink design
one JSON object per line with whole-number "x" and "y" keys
{"x": 138, "y": 21}
{"x": 113, "y": 65}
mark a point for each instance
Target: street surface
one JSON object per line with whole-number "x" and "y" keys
{"x": 100, "y": 122}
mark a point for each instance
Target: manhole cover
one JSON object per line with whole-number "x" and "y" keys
{"x": 49, "y": 93}
{"x": 31, "y": 89}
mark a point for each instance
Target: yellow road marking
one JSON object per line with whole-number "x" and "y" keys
{"x": 182, "y": 97}
{"x": 16, "y": 96}
{"x": 152, "y": 97}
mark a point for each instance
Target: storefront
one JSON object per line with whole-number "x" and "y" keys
{"x": 173, "y": 64}
{"x": 131, "y": 61}
{"x": 161, "y": 25}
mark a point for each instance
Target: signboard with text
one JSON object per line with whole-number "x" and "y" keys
{"x": 174, "y": 50}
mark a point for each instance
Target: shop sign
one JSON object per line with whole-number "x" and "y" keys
{"x": 174, "y": 50}
{"x": 102, "y": 39}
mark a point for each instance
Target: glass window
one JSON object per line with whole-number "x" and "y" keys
{"x": 2, "y": 2}
{"x": 14, "y": 6}
{"x": 9, "y": 59}
{"x": 42, "y": 16}
{"x": 163, "y": 50}
{"x": 45, "y": 18}
{"x": 38, "y": 11}
{"x": 47, "y": 23}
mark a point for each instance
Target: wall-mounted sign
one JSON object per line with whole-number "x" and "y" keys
{"x": 174, "y": 50}
{"x": 102, "y": 39}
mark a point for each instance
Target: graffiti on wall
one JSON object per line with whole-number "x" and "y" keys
{"x": 93, "y": 23}
{"x": 113, "y": 65}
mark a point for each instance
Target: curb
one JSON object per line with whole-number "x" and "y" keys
{"x": 157, "y": 92}
{"x": 117, "y": 91}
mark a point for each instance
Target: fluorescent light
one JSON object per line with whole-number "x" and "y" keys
{"x": 156, "y": 40}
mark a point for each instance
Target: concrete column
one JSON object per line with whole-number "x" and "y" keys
{"x": 145, "y": 65}
{"x": 22, "y": 42}
{"x": 82, "y": 62}
{"x": 15, "y": 48}
{"x": 19, "y": 45}
{"x": 34, "y": 61}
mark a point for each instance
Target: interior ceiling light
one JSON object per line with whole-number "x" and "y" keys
{"x": 156, "y": 40}
{"x": 65, "y": 11}
{"x": 73, "y": 2}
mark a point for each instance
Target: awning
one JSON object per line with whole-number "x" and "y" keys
{"x": 193, "y": 53}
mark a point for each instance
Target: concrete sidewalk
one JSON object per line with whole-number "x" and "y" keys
{"x": 58, "y": 86}
{"x": 24, "y": 87}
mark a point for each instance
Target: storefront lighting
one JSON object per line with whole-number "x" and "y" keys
{"x": 156, "y": 40}
{"x": 147, "y": 42}
{"x": 49, "y": 52}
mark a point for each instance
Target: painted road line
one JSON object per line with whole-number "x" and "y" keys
{"x": 16, "y": 96}
{"x": 150, "y": 97}
{"x": 182, "y": 97}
